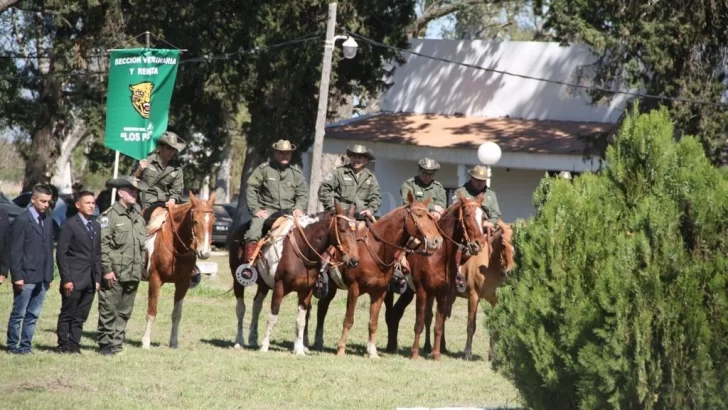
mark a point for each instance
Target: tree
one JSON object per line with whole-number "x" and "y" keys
{"x": 675, "y": 51}
{"x": 618, "y": 299}
{"x": 514, "y": 20}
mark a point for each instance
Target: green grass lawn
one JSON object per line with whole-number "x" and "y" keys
{"x": 206, "y": 372}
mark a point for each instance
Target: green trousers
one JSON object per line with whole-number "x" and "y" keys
{"x": 115, "y": 307}
{"x": 256, "y": 229}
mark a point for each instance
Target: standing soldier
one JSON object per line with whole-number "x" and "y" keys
{"x": 274, "y": 186}
{"x": 122, "y": 239}
{"x": 353, "y": 183}
{"x": 424, "y": 186}
{"x": 163, "y": 176}
{"x": 473, "y": 188}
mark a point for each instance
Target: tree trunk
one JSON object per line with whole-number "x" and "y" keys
{"x": 6, "y": 4}
{"x": 63, "y": 174}
{"x": 43, "y": 145}
{"x": 224, "y": 171}
{"x": 253, "y": 158}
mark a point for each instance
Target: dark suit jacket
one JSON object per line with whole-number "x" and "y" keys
{"x": 31, "y": 249}
{"x": 78, "y": 257}
{"x": 4, "y": 247}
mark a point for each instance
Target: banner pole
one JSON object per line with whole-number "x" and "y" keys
{"x": 116, "y": 175}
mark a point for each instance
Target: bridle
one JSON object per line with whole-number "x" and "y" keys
{"x": 406, "y": 248}
{"x": 189, "y": 250}
{"x": 339, "y": 245}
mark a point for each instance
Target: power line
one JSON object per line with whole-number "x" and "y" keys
{"x": 208, "y": 58}
{"x": 528, "y": 77}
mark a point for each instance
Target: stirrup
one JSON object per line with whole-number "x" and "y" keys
{"x": 398, "y": 283}
{"x": 321, "y": 286}
{"x": 460, "y": 284}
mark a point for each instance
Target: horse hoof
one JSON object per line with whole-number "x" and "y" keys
{"x": 341, "y": 352}
{"x": 391, "y": 349}
{"x": 318, "y": 347}
{"x": 238, "y": 346}
{"x": 264, "y": 348}
{"x": 415, "y": 356}
{"x": 299, "y": 352}
{"x": 468, "y": 356}
{"x": 146, "y": 345}
{"x": 436, "y": 357}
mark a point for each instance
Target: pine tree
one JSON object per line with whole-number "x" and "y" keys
{"x": 619, "y": 298}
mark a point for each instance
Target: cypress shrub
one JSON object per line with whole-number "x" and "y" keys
{"x": 619, "y": 295}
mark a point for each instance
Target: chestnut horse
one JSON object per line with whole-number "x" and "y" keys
{"x": 406, "y": 228}
{"x": 433, "y": 277}
{"x": 321, "y": 231}
{"x": 172, "y": 253}
{"x": 297, "y": 271}
{"x": 483, "y": 274}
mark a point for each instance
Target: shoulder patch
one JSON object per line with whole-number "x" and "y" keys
{"x": 329, "y": 177}
{"x": 104, "y": 221}
{"x": 263, "y": 165}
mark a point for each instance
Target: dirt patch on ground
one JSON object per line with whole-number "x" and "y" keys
{"x": 53, "y": 385}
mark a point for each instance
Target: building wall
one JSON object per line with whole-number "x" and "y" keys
{"x": 424, "y": 85}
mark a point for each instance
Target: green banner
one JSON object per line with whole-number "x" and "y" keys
{"x": 141, "y": 81}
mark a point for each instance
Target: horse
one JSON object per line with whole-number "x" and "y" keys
{"x": 297, "y": 271}
{"x": 172, "y": 252}
{"x": 405, "y": 228}
{"x": 484, "y": 273}
{"x": 326, "y": 233}
{"x": 432, "y": 277}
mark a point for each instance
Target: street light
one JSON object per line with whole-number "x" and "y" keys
{"x": 349, "y": 50}
{"x": 489, "y": 153}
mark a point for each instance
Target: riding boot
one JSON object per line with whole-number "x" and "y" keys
{"x": 249, "y": 250}
{"x": 459, "y": 278}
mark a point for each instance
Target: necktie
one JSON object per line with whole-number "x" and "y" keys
{"x": 40, "y": 220}
{"x": 90, "y": 228}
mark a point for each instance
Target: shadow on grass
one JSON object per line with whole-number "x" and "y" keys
{"x": 220, "y": 343}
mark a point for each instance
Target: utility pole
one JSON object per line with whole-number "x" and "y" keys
{"x": 318, "y": 141}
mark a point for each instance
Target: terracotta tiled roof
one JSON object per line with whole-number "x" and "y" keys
{"x": 448, "y": 131}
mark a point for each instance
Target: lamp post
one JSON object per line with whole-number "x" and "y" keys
{"x": 489, "y": 154}
{"x": 350, "y": 48}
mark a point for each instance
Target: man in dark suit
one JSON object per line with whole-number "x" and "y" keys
{"x": 4, "y": 251}
{"x": 31, "y": 268}
{"x": 79, "y": 261}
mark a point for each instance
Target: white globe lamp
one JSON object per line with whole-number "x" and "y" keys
{"x": 489, "y": 153}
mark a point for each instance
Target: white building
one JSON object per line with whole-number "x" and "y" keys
{"x": 445, "y": 111}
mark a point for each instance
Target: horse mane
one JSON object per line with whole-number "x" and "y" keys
{"x": 507, "y": 255}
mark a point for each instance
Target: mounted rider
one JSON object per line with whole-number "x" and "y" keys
{"x": 422, "y": 186}
{"x": 163, "y": 176}
{"x": 273, "y": 187}
{"x": 478, "y": 184}
{"x": 353, "y": 184}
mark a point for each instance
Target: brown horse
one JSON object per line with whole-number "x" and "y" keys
{"x": 297, "y": 271}
{"x": 406, "y": 228}
{"x": 433, "y": 277}
{"x": 172, "y": 253}
{"x": 483, "y": 274}
{"x": 326, "y": 233}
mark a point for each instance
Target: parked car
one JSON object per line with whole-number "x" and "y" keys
{"x": 231, "y": 209}
{"x": 223, "y": 224}
{"x": 11, "y": 208}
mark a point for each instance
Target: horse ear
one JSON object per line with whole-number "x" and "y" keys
{"x": 193, "y": 198}
{"x": 410, "y": 197}
{"x": 427, "y": 201}
{"x": 480, "y": 197}
{"x": 212, "y": 199}
{"x": 337, "y": 208}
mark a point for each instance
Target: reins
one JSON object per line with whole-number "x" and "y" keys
{"x": 370, "y": 228}
{"x": 338, "y": 245}
{"x": 172, "y": 249}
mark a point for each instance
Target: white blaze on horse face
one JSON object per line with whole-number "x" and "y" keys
{"x": 479, "y": 217}
{"x": 206, "y": 238}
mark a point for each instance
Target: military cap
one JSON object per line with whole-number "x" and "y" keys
{"x": 284, "y": 146}
{"x": 360, "y": 150}
{"x": 126, "y": 181}
{"x": 428, "y": 164}
{"x": 479, "y": 172}
{"x": 173, "y": 140}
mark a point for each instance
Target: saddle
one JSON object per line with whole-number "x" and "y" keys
{"x": 273, "y": 229}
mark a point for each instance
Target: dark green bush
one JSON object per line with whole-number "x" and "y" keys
{"x": 619, "y": 295}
